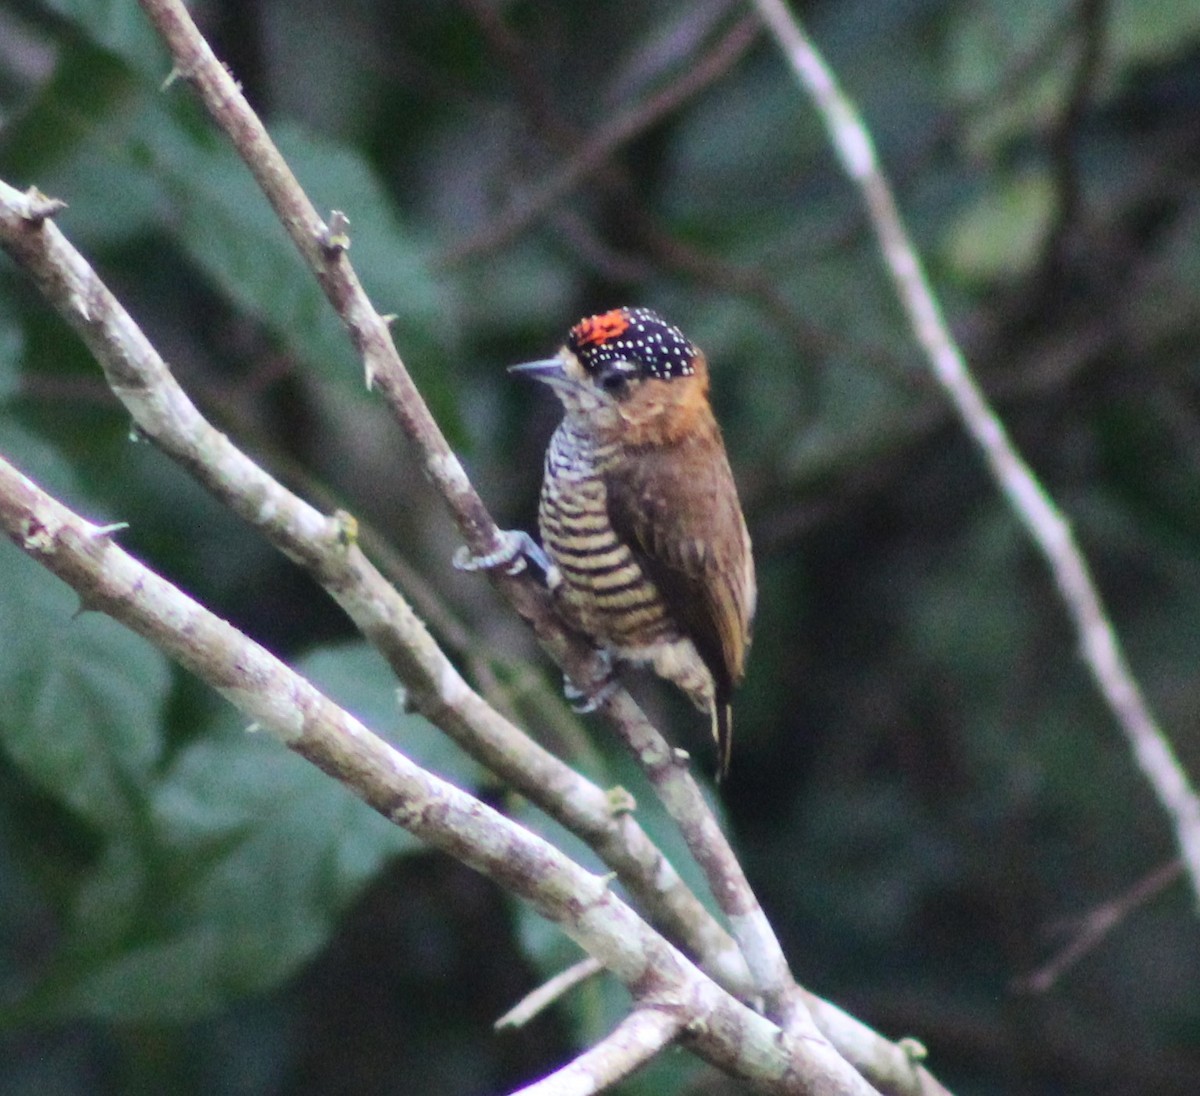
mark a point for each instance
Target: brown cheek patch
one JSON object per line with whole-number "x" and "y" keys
{"x": 663, "y": 412}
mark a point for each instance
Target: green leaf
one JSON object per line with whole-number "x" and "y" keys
{"x": 255, "y": 854}
{"x": 121, "y": 27}
{"x": 989, "y": 42}
{"x": 77, "y": 141}
{"x": 230, "y": 231}
{"x": 1146, "y": 31}
{"x": 83, "y": 697}
{"x": 128, "y": 158}
{"x": 1002, "y": 234}
{"x": 987, "y": 36}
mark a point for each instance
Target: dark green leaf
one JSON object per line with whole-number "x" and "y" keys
{"x": 121, "y": 27}
{"x": 83, "y": 696}
{"x": 256, "y": 854}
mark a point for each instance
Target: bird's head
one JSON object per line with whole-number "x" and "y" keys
{"x": 629, "y": 374}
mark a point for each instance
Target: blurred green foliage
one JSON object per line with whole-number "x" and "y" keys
{"x": 927, "y": 791}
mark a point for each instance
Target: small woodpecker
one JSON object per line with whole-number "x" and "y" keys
{"x": 648, "y": 552}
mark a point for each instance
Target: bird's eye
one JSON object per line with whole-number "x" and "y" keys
{"x": 614, "y": 378}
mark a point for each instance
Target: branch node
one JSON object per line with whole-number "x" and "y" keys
{"x": 620, "y": 801}
{"x": 345, "y": 528}
{"x": 39, "y": 537}
{"x": 334, "y": 237}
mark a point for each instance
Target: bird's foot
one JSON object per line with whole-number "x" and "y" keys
{"x": 516, "y": 547}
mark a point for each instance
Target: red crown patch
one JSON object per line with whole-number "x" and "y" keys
{"x": 597, "y": 330}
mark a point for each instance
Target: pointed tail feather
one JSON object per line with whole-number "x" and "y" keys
{"x": 722, "y": 728}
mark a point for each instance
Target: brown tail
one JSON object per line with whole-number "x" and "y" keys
{"x": 722, "y": 728}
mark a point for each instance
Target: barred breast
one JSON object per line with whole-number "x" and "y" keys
{"x": 603, "y": 587}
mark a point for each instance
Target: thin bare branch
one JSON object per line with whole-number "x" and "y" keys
{"x": 667, "y": 770}
{"x": 600, "y": 146}
{"x": 535, "y": 1003}
{"x": 1093, "y": 927}
{"x": 630, "y": 1045}
{"x": 895, "y": 1069}
{"x": 1033, "y": 507}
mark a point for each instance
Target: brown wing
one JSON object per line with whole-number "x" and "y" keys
{"x": 677, "y": 508}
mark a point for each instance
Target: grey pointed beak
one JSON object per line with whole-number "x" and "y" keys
{"x": 548, "y": 370}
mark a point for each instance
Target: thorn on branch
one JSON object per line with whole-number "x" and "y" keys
{"x": 40, "y": 207}
{"x": 914, "y": 1050}
{"x": 105, "y": 532}
{"x": 86, "y": 605}
{"x": 405, "y": 701}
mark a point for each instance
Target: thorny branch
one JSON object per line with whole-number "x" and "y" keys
{"x": 325, "y": 251}
{"x": 719, "y": 1028}
{"x": 327, "y": 548}
{"x": 1046, "y": 525}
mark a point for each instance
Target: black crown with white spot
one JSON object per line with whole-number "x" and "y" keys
{"x": 638, "y": 335}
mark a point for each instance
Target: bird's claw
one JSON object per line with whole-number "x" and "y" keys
{"x": 516, "y": 547}
{"x": 584, "y": 701}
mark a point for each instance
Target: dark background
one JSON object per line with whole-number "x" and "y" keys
{"x": 928, "y": 794}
